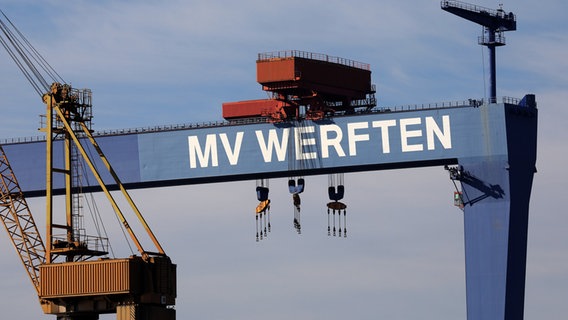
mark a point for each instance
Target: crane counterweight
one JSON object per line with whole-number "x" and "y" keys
{"x": 89, "y": 285}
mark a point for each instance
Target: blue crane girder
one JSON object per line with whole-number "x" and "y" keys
{"x": 372, "y": 141}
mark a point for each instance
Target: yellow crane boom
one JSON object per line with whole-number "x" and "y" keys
{"x": 19, "y": 222}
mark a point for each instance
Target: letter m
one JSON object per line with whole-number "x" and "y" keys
{"x": 196, "y": 153}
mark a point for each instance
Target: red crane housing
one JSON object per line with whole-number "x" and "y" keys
{"x": 306, "y": 85}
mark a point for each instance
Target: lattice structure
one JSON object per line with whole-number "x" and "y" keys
{"x": 19, "y": 222}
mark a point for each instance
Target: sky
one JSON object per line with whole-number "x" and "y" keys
{"x": 154, "y": 63}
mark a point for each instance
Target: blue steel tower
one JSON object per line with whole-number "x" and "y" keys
{"x": 497, "y": 189}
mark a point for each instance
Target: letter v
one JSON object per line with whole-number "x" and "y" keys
{"x": 232, "y": 155}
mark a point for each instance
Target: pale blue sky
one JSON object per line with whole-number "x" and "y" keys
{"x": 166, "y": 62}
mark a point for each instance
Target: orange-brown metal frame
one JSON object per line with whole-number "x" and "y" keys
{"x": 19, "y": 222}
{"x": 99, "y": 179}
{"x": 55, "y": 113}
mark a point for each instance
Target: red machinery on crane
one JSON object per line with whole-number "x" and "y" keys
{"x": 306, "y": 85}
{"x": 73, "y": 277}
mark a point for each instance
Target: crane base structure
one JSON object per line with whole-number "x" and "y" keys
{"x": 132, "y": 288}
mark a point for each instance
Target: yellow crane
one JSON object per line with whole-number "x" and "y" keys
{"x": 73, "y": 277}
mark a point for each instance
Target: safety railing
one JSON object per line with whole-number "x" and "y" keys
{"x": 22, "y": 140}
{"x": 497, "y": 39}
{"x": 475, "y": 8}
{"x": 95, "y": 243}
{"x": 256, "y": 120}
{"x": 267, "y": 56}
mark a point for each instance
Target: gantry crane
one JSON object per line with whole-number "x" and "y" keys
{"x": 495, "y": 169}
{"x": 73, "y": 277}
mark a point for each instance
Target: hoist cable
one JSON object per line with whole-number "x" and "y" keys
{"x": 26, "y": 57}
{"x": 96, "y": 214}
{"x": 38, "y": 57}
{"x": 20, "y": 66}
{"x": 120, "y": 224}
{"x": 11, "y": 44}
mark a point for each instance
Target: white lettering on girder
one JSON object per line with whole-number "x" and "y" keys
{"x": 273, "y": 143}
{"x": 327, "y": 142}
{"x": 444, "y": 136}
{"x": 354, "y": 138}
{"x": 432, "y": 129}
{"x": 416, "y": 134}
{"x": 405, "y": 134}
{"x": 301, "y": 142}
{"x": 384, "y": 125}
{"x": 196, "y": 153}
{"x": 232, "y": 155}
{"x": 210, "y": 153}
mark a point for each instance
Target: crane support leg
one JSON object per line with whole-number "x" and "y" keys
{"x": 496, "y": 193}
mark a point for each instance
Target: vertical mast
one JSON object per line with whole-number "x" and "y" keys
{"x": 48, "y": 99}
{"x": 66, "y": 105}
{"x": 495, "y": 22}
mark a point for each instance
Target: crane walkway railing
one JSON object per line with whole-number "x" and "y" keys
{"x": 256, "y": 120}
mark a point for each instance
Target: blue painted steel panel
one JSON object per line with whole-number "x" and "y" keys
{"x": 349, "y": 143}
{"x": 361, "y": 142}
{"x": 486, "y": 225}
{"x": 28, "y": 162}
{"x": 497, "y": 193}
